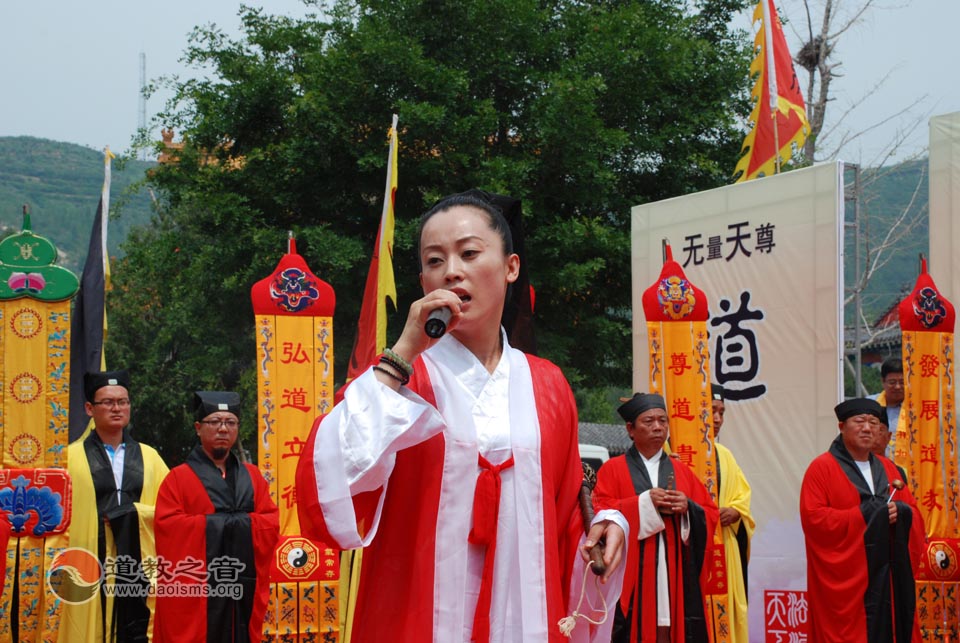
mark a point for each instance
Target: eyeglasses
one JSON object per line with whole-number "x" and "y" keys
{"x": 218, "y": 422}
{"x": 112, "y": 404}
{"x": 893, "y": 383}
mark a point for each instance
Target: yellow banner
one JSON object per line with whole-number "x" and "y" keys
{"x": 927, "y": 447}
{"x": 295, "y": 385}
{"x": 680, "y": 372}
{"x": 34, "y": 391}
{"x": 29, "y": 560}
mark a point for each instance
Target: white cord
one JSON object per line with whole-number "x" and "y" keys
{"x": 567, "y": 623}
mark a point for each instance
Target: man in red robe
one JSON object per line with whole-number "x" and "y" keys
{"x": 216, "y": 528}
{"x": 672, "y": 519}
{"x": 863, "y": 538}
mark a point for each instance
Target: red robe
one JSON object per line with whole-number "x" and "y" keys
{"x": 637, "y": 620}
{"x": 400, "y": 595}
{"x": 855, "y": 558}
{"x": 243, "y": 527}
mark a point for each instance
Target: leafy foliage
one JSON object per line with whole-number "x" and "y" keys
{"x": 582, "y": 109}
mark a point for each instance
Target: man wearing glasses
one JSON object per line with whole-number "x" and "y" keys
{"x": 891, "y": 375}
{"x": 115, "y": 481}
{"x": 863, "y": 535}
{"x": 215, "y": 511}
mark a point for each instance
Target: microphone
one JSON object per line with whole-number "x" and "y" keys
{"x": 436, "y": 324}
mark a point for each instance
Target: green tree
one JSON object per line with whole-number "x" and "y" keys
{"x": 582, "y": 109}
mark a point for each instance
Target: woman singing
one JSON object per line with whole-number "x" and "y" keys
{"x": 455, "y": 461}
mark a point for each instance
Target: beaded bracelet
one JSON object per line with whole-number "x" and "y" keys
{"x": 390, "y": 374}
{"x": 401, "y": 364}
{"x": 401, "y": 376}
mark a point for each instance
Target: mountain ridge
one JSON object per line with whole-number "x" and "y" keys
{"x": 60, "y": 183}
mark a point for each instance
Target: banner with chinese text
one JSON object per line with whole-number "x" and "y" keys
{"x": 676, "y": 314}
{"x": 926, "y": 447}
{"x": 768, "y": 254}
{"x": 294, "y": 336}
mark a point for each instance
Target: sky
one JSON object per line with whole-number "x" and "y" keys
{"x": 70, "y": 70}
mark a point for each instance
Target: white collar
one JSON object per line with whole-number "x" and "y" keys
{"x": 471, "y": 373}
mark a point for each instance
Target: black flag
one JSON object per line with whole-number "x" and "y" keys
{"x": 87, "y": 323}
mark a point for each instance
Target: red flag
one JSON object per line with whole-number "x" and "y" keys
{"x": 779, "y": 116}
{"x": 372, "y": 325}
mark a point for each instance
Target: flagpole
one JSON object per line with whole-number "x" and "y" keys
{"x": 776, "y": 141}
{"x": 373, "y": 313}
{"x": 108, "y": 157}
{"x": 772, "y": 85}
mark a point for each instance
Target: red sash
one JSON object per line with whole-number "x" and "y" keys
{"x": 486, "y": 509}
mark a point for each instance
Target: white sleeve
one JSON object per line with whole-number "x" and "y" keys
{"x": 613, "y": 516}
{"x": 650, "y": 520}
{"x": 356, "y": 446}
{"x": 593, "y": 600}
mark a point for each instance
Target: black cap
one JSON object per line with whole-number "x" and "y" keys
{"x": 859, "y": 406}
{"x": 93, "y": 382}
{"x": 883, "y": 417}
{"x": 207, "y": 402}
{"x": 717, "y": 393}
{"x": 639, "y": 403}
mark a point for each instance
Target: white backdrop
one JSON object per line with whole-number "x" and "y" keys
{"x": 768, "y": 255}
{"x": 944, "y": 264}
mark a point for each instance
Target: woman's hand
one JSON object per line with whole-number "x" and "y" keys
{"x": 414, "y": 339}
{"x": 613, "y": 537}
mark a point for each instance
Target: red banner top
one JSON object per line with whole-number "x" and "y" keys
{"x": 925, "y": 308}
{"x": 672, "y": 297}
{"x": 293, "y": 290}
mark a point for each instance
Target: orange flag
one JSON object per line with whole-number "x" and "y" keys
{"x": 779, "y": 116}
{"x": 381, "y": 285}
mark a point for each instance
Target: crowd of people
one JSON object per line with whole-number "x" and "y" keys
{"x": 455, "y": 461}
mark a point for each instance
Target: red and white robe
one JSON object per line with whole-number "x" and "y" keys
{"x": 396, "y": 472}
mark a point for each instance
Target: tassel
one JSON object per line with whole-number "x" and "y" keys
{"x": 567, "y": 623}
